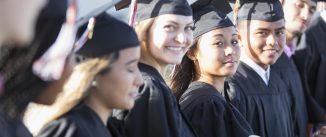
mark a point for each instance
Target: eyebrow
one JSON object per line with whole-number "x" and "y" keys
{"x": 218, "y": 35}
{"x": 281, "y": 28}
{"x": 131, "y": 61}
{"x": 264, "y": 29}
{"x": 176, "y": 23}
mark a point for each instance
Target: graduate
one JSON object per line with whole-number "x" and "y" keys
{"x": 297, "y": 18}
{"x": 21, "y": 85}
{"x": 106, "y": 78}
{"x": 310, "y": 61}
{"x": 165, "y": 31}
{"x": 199, "y": 81}
{"x": 18, "y": 18}
{"x": 256, "y": 89}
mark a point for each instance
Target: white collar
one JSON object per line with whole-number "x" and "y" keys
{"x": 264, "y": 74}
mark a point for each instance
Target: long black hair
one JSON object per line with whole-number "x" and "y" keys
{"x": 184, "y": 73}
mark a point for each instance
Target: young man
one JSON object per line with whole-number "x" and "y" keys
{"x": 297, "y": 17}
{"x": 310, "y": 60}
{"x": 256, "y": 89}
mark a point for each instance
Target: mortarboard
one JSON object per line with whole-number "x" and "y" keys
{"x": 151, "y": 8}
{"x": 109, "y": 35}
{"x": 264, "y": 10}
{"x": 207, "y": 16}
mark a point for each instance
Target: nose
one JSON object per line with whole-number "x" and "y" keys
{"x": 181, "y": 38}
{"x": 139, "y": 79}
{"x": 304, "y": 14}
{"x": 271, "y": 40}
{"x": 229, "y": 50}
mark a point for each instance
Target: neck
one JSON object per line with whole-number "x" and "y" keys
{"x": 289, "y": 37}
{"x": 217, "y": 82}
{"x": 160, "y": 67}
{"x": 103, "y": 112}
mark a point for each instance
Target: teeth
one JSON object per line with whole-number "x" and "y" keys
{"x": 175, "y": 48}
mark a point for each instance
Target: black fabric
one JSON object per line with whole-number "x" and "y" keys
{"x": 13, "y": 127}
{"x": 208, "y": 18}
{"x": 220, "y": 5}
{"x": 109, "y": 35}
{"x": 116, "y": 127}
{"x": 55, "y": 9}
{"x": 289, "y": 73}
{"x": 156, "y": 112}
{"x": 81, "y": 121}
{"x": 209, "y": 113}
{"x": 152, "y": 8}
{"x": 264, "y": 10}
{"x": 310, "y": 59}
{"x": 266, "y": 108}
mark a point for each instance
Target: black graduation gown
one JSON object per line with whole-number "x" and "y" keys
{"x": 210, "y": 114}
{"x": 266, "y": 108}
{"x": 156, "y": 112}
{"x": 81, "y": 121}
{"x": 310, "y": 59}
{"x": 13, "y": 127}
{"x": 289, "y": 73}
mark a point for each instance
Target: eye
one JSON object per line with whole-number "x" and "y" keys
{"x": 219, "y": 43}
{"x": 312, "y": 10}
{"x": 190, "y": 28}
{"x": 262, "y": 33}
{"x": 299, "y": 4}
{"x": 279, "y": 32}
{"x": 169, "y": 27}
{"x": 235, "y": 42}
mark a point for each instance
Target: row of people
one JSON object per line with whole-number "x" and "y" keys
{"x": 111, "y": 72}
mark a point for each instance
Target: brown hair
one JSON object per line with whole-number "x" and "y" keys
{"x": 184, "y": 73}
{"x": 77, "y": 86}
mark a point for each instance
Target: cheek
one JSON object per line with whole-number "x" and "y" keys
{"x": 159, "y": 39}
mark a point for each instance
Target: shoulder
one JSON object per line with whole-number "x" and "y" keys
{"x": 61, "y": 127}
{"x": 198, "y": 97}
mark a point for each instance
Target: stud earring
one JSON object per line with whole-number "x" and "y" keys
{"x": 94, "y": 83}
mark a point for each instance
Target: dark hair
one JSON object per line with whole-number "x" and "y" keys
{"x": 21, "y": 86}
{"x": 184, "y": 73}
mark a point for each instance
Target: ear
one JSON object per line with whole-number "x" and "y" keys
{"x": 191, "y": 55}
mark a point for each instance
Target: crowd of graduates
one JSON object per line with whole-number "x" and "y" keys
{"x": 175, "y": 69}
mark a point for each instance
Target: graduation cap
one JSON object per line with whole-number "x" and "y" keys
{"x": 151, "y": 8}
{"x": 207, "y": 16}
{"x": 264, "y": 10}
{"x": 109, "y": 35}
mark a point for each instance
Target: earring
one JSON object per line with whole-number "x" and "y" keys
{"x": 94, "y": 83}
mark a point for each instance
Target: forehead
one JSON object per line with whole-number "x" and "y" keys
{"x": 258, "y": 24}
{"x": 224, "y": 32}
{"x": 309, "y": 2}
{"x": 179, "y": 19}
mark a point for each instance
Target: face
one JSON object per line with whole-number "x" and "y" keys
{"x": 118, "y": 87}
{"x": 262, "y": 41}
{"x": 298, "y": 14}
{"x": 170, "y": 36}
{"x": 218, "y": 52}
{"x": 19, "y": 17}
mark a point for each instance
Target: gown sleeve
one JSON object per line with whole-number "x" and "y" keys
{"x": 59, "y": 128}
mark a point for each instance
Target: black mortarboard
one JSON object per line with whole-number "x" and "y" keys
{"x": 208, "y": 17}
{"x": 109, "y": 35}
{"x": 151, "y": 8}
{"x": 265, "y": 10}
